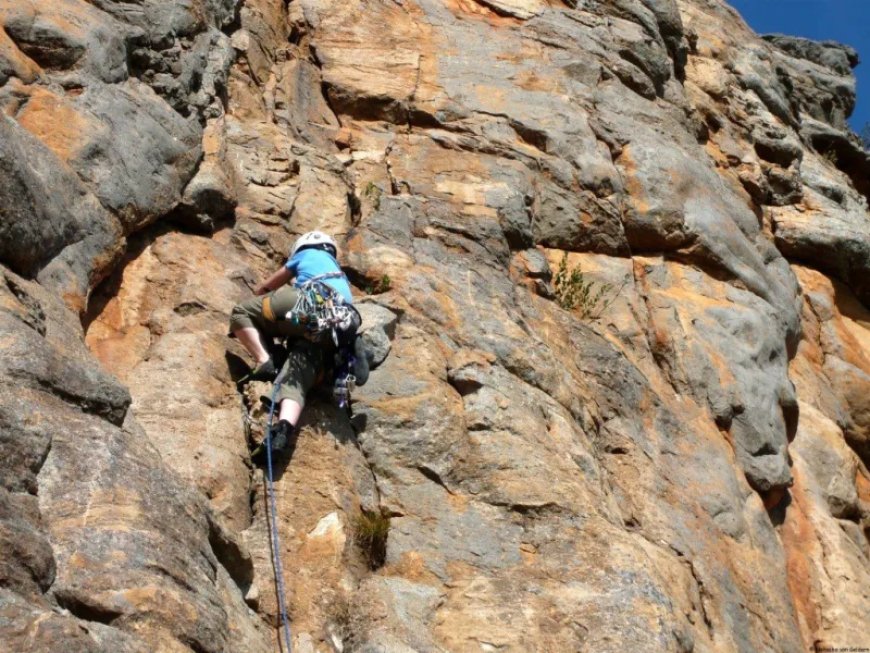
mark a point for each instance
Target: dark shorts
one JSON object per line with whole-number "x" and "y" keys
{"x": 266, "y": 313}
{"x": 306, "y": 360}
{"x": 304, "y": 368}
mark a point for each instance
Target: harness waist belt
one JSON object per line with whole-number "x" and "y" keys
{"x": 268, "y": 313}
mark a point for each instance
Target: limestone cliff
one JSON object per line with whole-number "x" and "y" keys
{"x": 682, "y": 466}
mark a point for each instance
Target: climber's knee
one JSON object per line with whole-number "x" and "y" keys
{"x": 248, "y": 313}
{"x": 291, "y": 388}
{"x": 292, "y": 391}
{"x": 301, "y": 371}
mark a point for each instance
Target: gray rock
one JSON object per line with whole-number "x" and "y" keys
{"x": 22, "y": 446}
{"x": 535, "y": 264}
{"x": 843, "y": 149}
{"x": 301, "y": 106}
{"x": 835, "y": 235}
{"x": 50, "y": 223}
{"x": 27, "y": 561}
{"x": 50, "y": 362}
{"x": 191, "y": 78}
{"x": 838, "y": 57}
{"x": 819, "y": 77}
{"x": 159, "y": 524}
{"x": 377, "y": 344}
{"x": 515, "y": 217}
{"x": 411, "y": 612}
{"x": 34, "y": 627}
{"x": 778, "y": 149}
{"x": 211, "y": 196}
{"x": 576, "y": 221}
{"x": 141, "y": 154}
{"x": 375, "y": 315}
{"x": 69, "y": 34}
{"x": 784, "y": 186}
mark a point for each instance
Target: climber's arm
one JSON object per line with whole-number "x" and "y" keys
{"x": 278, "y": 279}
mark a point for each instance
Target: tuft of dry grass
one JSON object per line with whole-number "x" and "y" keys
{"x": 347, "y": 622}
{"x": 370, "y": 532}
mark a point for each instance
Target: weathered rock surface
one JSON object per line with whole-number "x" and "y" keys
{"x": 678, "y": 464}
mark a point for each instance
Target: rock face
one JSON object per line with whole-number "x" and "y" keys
{"x": 678, "y": 462}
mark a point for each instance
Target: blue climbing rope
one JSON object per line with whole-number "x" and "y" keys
{"x": 273, "y": 524}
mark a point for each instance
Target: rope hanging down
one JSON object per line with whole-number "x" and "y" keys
{"x": 273, "y": 525}
{"x": 322, "y": 308}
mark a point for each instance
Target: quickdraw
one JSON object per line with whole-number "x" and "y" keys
{"x": 345, "y": 381}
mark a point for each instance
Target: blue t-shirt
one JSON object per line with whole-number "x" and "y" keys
{"x": 310, "y": 263}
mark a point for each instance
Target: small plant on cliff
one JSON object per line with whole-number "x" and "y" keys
{"x": 574, "y": 293}
{"x": 373, "y": 192}
{"x": 865, "y": 136}
{"x": 381, "y": 285}
{"x": 370, "y": 534}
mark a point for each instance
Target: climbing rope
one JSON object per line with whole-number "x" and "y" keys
{"x": 273, "y": 524}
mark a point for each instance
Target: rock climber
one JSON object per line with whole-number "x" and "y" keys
{"x": 270, "y": 314}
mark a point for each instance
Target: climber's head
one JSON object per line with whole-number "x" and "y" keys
{"x": 315, "y": 240}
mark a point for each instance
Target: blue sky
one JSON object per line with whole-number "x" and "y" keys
{"x": 847, "y": 21}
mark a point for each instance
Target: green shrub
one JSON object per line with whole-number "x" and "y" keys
{"x": 574, "y": 293}
{"x": 370, "y": 534}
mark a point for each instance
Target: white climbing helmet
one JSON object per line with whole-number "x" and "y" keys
{"x": 314, "y": 238}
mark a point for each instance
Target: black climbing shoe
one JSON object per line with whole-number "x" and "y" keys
{"x": 283, "y": 439}
{"x": 264, "y": 371}
{"x": 281, "y": 435}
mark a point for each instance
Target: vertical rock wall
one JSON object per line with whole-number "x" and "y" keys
{"x": 687, "y": 471}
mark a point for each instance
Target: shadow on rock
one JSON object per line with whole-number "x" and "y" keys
{"x": 777, "y": 512}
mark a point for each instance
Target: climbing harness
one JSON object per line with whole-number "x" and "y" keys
{"x": 323, "y": 310}
{"x": 273, "y": 523}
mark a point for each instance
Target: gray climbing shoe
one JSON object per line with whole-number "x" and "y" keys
{"x": 360, "y": 361}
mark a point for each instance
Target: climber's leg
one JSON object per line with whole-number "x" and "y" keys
{"x": 247, "y": 323}
{"x": 263, "y": 316}
{"x": 250, "y": 339}
{"x": 290, "y": 411}
{"x": 305, "y": 363}
{"x": 299, "y": 374}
